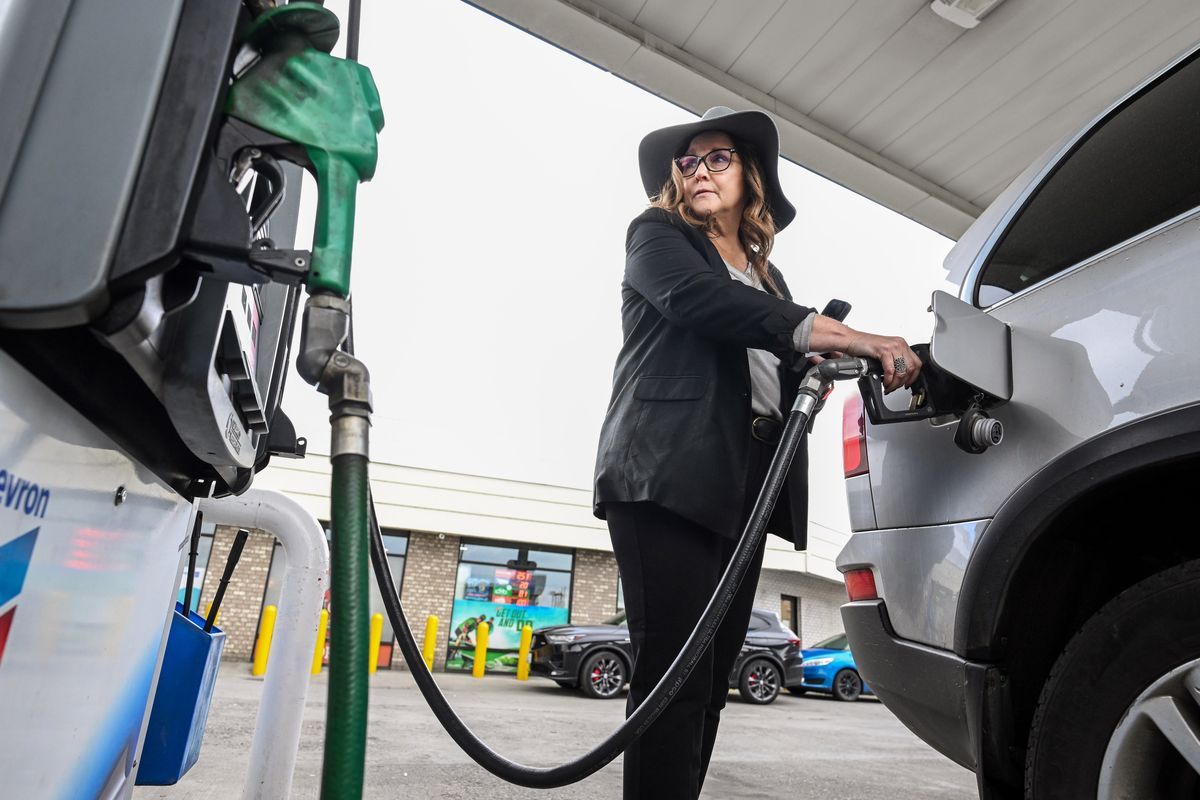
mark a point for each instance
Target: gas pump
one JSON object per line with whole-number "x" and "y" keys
{"x": 150, "y": 157}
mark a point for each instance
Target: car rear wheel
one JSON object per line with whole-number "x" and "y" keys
{"x": 1119, "y": 715}
{"x": 847, "y": 686}
{"x": 760, "y": 682}
{"x": 602, "y": 676}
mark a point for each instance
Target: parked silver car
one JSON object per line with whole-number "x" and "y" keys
{"x": 1025, "y": 572}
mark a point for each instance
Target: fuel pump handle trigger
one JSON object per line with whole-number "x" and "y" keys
{"x": 920, "y": 407}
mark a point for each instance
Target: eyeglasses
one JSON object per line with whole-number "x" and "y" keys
{"x": 715, "y": 161}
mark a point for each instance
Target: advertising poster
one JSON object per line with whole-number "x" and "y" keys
{"x": 505, "y": 620}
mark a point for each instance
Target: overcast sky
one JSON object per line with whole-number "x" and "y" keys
{"x": 490, "y": 247}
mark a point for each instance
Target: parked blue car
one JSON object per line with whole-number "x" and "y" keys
{"x": 829, "y": 667}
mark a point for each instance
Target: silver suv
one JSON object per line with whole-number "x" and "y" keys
{"x": 1025, "y": 572}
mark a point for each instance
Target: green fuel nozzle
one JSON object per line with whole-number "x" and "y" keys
{"x": 327, "y": 106}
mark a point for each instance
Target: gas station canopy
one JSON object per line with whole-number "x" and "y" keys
{"x": 895, "y": 99}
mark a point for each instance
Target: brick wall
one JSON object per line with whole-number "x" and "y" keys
{"x": 243, "y": 598}
{"x": 820, "y": 601}
{"x": 594, "y": 593}
{"x": 430, "y": 571}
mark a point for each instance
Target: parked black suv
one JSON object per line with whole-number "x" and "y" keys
{"x": 597, "y": 658}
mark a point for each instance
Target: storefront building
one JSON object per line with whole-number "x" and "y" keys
{"x": 470, "y": 549}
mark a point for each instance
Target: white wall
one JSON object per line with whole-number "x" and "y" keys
{"x": 820, "y": 601}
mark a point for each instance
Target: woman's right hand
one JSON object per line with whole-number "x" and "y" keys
{"x": 901, "y": 366}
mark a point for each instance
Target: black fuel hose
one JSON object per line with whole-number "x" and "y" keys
{"x": 672, "y": 681}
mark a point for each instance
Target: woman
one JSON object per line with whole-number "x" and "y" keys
{"x": 713, "y": 353}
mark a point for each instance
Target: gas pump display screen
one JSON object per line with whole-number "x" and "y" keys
{"x": 512, "y": 586}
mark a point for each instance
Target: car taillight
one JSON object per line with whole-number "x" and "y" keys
{"x": 794, "y": 642}
{"x": 860, "y": 585}
{"x": 854, "y": 436}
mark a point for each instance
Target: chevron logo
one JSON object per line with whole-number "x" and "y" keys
{"x": 14, "y": 565}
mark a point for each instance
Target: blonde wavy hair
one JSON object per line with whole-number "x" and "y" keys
{"x": 757, "y": 229}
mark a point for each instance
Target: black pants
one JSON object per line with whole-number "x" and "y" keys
{"x": 669, "y": 569}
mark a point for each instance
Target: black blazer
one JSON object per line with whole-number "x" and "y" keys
{"x": 677, "y": 431}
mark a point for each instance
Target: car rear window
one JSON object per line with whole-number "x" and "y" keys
{"x": 616, "y": 619}
{"x": 837, "y": 642}
{"x": 1137, "y": 169}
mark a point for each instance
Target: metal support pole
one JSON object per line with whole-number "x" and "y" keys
{"x": 376, "y": 641}
{"x": 430, "y": 643}
{"x": 319, "y": 650}
{"x": 262, "y": 647}
{"x": 305, "y": 555}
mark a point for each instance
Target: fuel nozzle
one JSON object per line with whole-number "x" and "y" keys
{"x": 328, "y": 107}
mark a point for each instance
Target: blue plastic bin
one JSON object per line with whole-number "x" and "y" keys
{"x": 181, "y": 703}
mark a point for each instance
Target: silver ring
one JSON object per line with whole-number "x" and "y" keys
{"x": 900, "y": 365}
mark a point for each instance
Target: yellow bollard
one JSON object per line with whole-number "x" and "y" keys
{"x": 376, "y": 636}
{"x": 430, "y": 641}
{"x": 523, "y": 655}
{"x": 319, "y": 650}
{"x": 481, "y": 637}
{"x": 263, "y": 648}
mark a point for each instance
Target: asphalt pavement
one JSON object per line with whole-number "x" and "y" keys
{"x": 796, "y": 747}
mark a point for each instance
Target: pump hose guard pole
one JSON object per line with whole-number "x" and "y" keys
{"x": 812, "y": 390}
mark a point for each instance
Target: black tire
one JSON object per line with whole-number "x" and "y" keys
{"x": 602, "y": 675}
{"x": 847, "y": 686}
{"x": 1094, "y": 701}
{"x": 760, "y": 681}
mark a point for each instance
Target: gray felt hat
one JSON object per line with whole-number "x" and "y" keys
{"x": 754, "y": 127}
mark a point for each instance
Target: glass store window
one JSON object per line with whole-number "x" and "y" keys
{"x": 508, "y": 586}
{"x": 396, "y": 545}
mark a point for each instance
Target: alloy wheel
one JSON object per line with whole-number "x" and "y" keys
{"x": 847, "y": 685}
{"x": 762, "y": 681}
{"x": 1155, "y": 749}
{"x": 606, "y": 676}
